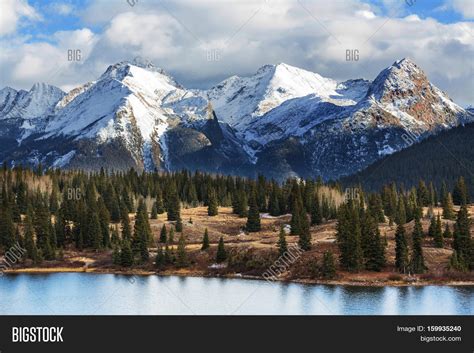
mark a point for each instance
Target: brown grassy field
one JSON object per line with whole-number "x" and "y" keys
{"x": 259, "y": 250}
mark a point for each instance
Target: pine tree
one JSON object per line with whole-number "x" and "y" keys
{"x": 253, "y": 220}
{"x": 95, "y": 232}
{"x": 243, "y": 205}
{"x": 163, "y": 234}
{"x": 212, "y": 209}
{"x": 171, "y": 236}
{"x": 349, "y": 237}
{"x": 460, "y": 194}
{"x": 432, "y": 227}
{"x": 273, "y": 204}
{"x": 181, "y": 255}
{"x": 126, "y": 254}
{"x": 142, "y": 233}
{"x": 417, "y": 262}
{"x": 316, "y": 216}
{"x": 463, "y": 244}
{"x": 205, "y": 240}
{"x": 174, "y": 205}
{"x": 282, "y": 244}
{"x": 43, "y": 231}
{"x": 438, "y": 233}
{"x": 7, "y": 227}
{"x": 160, "y": 208}
{"x": 296, "y": 217}
{"x": 104, "y": 220}
{"x": 447, "y": 232}
{"x": 160, "y": 260}
{"x": 448, "y": 207}
{"x": 30, "y": 245}
{"x": 401, "y": 249}
{"x": 116, "y": 259}
{"x": 154, "y": 211}
{"x": 221, "y": 254}
{"x": 328, "y": 268}
{"x": 60, "y": 227}
{"x": 179, "y": 224}
{"x": 304, "y": 240}
{"x": 169, "y": 255}
{"x": 125, "y": 220}
{"x": 374, "y": 250}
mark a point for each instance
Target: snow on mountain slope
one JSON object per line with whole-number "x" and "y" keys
{"x": 282, "y": 121}
{"x": 124, "y": 97}
{"x": 38, "y": 102}
{"x": 240, "y": 100}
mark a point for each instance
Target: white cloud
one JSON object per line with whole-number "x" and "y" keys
{"x": 464, "y": 7}
{"x": 62, "y": 8}
{"x": 12, "y": 12}
{"x": 179, "y": 35}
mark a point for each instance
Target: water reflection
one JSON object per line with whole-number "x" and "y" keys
{"x": 81, "y": 293}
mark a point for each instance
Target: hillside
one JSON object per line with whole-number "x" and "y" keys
{"x": 446, "y": 156}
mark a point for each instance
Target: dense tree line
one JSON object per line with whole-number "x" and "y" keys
{"x": 48, "y": 211}
{"x": 442, "y": 159}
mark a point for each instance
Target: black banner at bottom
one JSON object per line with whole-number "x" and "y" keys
{"x": 247, "y": 333}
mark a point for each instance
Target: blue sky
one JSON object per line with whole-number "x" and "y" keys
{"x": 179, "y": 36}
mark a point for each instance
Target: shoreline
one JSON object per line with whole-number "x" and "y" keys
{"x": 184, "y": 273}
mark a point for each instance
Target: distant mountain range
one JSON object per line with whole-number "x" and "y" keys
{"x": 282, "y": 121}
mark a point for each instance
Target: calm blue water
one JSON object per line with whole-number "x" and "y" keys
{"x": 89, "y": 294}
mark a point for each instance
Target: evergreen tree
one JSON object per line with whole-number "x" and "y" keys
{"x": 163, "y": 234}
{"x": 160, "y": 260}
{"x": 304, "y": 240}
{"x": 104, "y": 220}
{"x": 316, "y": 216}
{"x": 142, "y": 233}
{"x": 432, "y": 227}
{"x": 448, "y": 207}
{"x": 273, "y": 203}
{"x": 181, "y": 255}
{"x": 244, "y": 207}
{"x": 328, "y": 268}
{"x": 401, "y": 249}
{"x": 296, "y": 217}
{"x": 30, "y": 245}
{"x": 212, "y": 209}
{"x": 463, "y": 243}
{"x": 282, "y": 244}
{"x": 253, "y": 220}
{"x": 417, "y": 262}
{"x": 174, "y": 205}
{"x": 179, "y": 224}
{"x": 171, "y": 236}
{"x": 438, "y": 233}
{"x": 205, "y": 240}
{"x": 348, "y": 237}
{"x": 125, "y": 220}
{"x": 221, "y": 254}
{"x": 160, "y": 208}
{"x": 126, "y": 254}
{"x": 374, "y": 250}
{"x": 7, "y": 227}
{"x": 460, "y": 194}
{"x": 447, "y": 232}
{"x": 43, "y": 231}
{"x": 154, "y": 211}
{"x": 95, "y": 231}
{"x": 116, "y": 258}
{"x": 60, "y": 227}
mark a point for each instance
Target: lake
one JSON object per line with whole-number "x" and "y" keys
{"x": 109, "y": 294}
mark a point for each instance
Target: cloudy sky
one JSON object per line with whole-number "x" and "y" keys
{"x": 201, "y": 42}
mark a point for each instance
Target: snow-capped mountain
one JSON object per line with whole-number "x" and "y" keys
{"x": 282, "y": 121}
